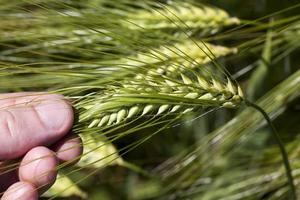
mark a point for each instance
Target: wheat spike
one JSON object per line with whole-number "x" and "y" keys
{"x": 208, "y": 19}
{"x": 190, "y": 54}
{"x": 210, "y": 92}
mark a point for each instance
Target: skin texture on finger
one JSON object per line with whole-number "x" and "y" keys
{"x": 32, "y": 119}
{"x": 68, "y": 149}
{"x": 21, "y": 191}
{"x": 38, "y": 167}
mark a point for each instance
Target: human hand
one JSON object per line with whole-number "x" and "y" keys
{"x": 34, "y": 127}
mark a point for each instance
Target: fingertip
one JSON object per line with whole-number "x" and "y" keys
{"x": 69, "y": 149}
{"x": 38, "y": 167}
{"x": 21, "y": 191}
{"x": 56, "y": 114}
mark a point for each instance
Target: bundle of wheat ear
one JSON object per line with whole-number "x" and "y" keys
{"x": 146, "y": 95}
{"x": 170, "y": 80}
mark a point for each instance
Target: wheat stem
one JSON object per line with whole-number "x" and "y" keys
{"x": 283, "y": 152}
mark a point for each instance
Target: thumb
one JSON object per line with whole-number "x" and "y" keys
{"x": 28, "y": 120}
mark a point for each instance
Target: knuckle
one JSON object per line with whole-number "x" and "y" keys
{"x": 7, "y": 123}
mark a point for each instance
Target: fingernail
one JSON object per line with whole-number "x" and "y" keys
{"x": 55, "y": 114}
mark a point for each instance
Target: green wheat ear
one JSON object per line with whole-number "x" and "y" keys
{"x": 147, "y": 96}
{"x": 183, "y": 56}
{"x": 98, "y": 152}
{"x": 59, "y": 188}
{"x": 207, "y": 19}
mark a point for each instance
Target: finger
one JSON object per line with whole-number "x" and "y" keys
{"x": 38, "y": 167}
{"x": 31, "y": 119}
{"x": 21, "y": 191}
{"x": 68, "y": 149}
